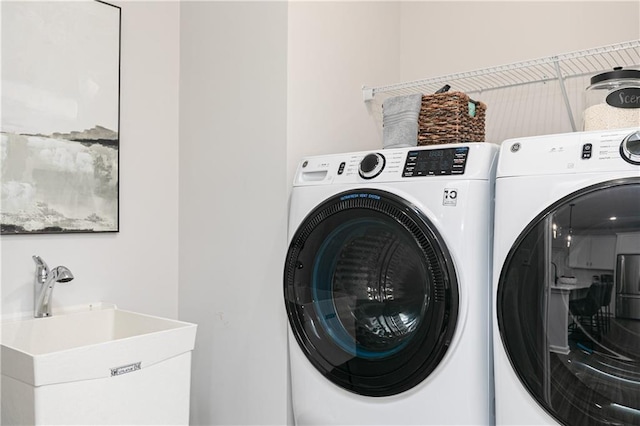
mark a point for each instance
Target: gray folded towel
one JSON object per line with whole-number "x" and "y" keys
{"x": 400, "y": 121}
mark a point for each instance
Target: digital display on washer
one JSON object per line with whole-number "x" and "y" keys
{"x": 436, "y": 162}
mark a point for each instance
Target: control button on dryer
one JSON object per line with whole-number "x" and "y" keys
{"x": 587, "y": 150}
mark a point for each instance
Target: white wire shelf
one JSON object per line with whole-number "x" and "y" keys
{"x": 524, "y": 98}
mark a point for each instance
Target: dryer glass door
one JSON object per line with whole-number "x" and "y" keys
{"x": 568, "y": 306}
{"x": 370, "y": 292}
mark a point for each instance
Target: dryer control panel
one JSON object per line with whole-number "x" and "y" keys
{"x": 578, "y": 152}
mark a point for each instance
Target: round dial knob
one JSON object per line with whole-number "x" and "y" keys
{"x": 371, "y": 165}
{"x": 630, "y": 148}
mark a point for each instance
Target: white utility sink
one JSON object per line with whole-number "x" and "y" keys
{"x": 102, "y": 353}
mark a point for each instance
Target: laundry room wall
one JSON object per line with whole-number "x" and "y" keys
{"x": 233, "y": 208}
{"x": 474, "y": 35}
{"x": 136, "y": 268}
{"x": 418, "y": 40}
{"x": 443, "y": 37}
{"x": 334, "y": 49}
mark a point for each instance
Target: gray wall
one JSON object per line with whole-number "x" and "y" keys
{"x": 233, "y": 207}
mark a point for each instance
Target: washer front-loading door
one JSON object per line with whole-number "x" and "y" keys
{"x": 370, "y": 292}
{"x": 568, "y": 306}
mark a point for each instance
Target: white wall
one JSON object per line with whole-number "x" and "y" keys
{"x": 440, "y": 38}
{"x": 334, "y": 49}
{"x": 137, "y": 268}
{"x": 233, "y": 208}
{"x": 444, "y": 37}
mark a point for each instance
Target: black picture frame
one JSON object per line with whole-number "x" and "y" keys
{"x": 60, "y": 126}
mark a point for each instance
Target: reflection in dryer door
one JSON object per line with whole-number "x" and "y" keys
{"x": 628, "y": 286}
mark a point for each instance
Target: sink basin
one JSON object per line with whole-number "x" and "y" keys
{"x": 88, "y": 344}
{"x": 98, "y": 365}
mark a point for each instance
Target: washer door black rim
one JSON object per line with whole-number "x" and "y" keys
{"x": 365, "y": 368}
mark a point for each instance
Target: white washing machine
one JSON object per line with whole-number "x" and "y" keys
{"x": 566, "y": 334}
{"x": 387, "y": 288}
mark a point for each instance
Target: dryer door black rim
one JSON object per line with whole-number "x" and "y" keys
{"x": 370, "y": 292}
{"x": 577, "y": 349}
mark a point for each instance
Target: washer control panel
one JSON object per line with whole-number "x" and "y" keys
{"x": 474, "y": 160}
{"x": 436, "y": 162}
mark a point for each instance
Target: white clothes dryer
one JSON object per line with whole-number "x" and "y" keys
{"x": 387, "y": 288}
{"x": 566, "y": 337}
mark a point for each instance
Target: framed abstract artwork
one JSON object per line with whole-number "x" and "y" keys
{"x": 60, "y": 117}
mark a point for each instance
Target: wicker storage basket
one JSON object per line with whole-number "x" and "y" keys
{"x": 444, "y": 118}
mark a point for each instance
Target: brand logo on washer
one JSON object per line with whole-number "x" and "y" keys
{"x": 450, "y": 197}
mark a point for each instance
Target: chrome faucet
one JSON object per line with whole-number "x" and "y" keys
{"x": 44, "y": 282}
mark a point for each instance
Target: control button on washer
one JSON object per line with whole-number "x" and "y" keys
{"x": 371, "y": 165}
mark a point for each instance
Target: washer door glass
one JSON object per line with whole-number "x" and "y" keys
{"x": 568, "y": 306}
{"x": 370, "y": 292}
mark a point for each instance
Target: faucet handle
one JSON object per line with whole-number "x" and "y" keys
{"x": 41, "y": 266}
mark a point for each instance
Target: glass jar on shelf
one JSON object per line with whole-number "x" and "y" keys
{"x": 612, "y": 100}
